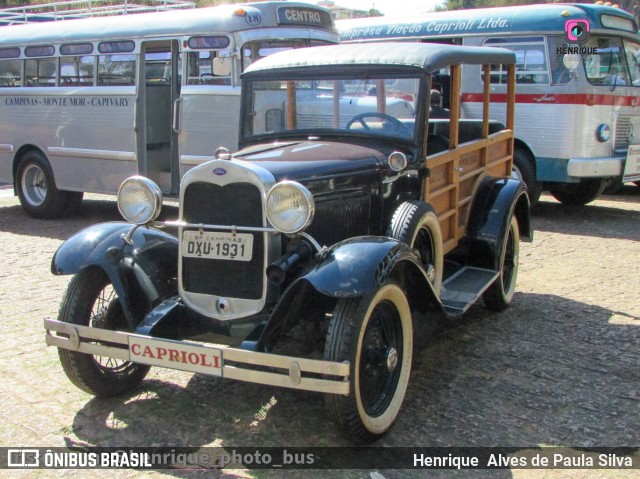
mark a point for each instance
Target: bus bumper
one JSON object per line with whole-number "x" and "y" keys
{"x": 215, "y": 360}
{"x": 595, "y": 167}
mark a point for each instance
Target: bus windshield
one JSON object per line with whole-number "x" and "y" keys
{"x": 255, "y": 50}
{"x": 368, "y": 106}
{"x": 612, "y": 62}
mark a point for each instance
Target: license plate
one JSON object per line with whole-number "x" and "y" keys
{"x": 176, "y": 355}
{"x": 213, "y": 245}
{"x": 632, "y": 165}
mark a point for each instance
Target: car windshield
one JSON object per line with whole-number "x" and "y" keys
{"x": 367, "y": 106}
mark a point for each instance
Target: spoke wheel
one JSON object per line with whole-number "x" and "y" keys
{"x": 91, "y": 301}
{"x": 374, "y": 333}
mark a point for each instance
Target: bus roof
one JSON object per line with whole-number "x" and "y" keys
{"x": 547, "y": 18}
{"x": 428, "y": 57}
{"x": 221, "y": 19}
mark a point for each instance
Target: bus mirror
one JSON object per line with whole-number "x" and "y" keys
{"x": 571, "y": 62}
{"x": 221, "y": 66}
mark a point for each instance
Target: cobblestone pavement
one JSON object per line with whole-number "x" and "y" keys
{"x": 559, "y": 367}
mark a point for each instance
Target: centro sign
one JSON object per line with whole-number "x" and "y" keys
{"x": 302, "y": 16}
{"x": 176, "y": 355}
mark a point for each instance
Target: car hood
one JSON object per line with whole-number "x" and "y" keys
{"x": 307, "y": 160}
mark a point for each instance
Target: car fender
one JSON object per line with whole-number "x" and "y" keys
{"x": 495, "y": 201}
{"x": 353, "y": 268}
{"x": 142, "y": 273}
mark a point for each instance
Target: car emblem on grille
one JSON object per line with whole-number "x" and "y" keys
{"x": 628, "y": 133}
{"x": 220, "y": 171}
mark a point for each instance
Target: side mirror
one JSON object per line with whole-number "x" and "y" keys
{"x": 221, "y": 66}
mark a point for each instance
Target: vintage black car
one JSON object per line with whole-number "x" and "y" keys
{"x": 346, "y": 227}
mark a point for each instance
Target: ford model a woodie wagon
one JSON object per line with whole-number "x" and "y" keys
{"x": 320, "y": 254}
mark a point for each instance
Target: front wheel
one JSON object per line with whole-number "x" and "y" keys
{"x": 578, "y": 194}
{"x": 375, "y": 334}
{"x": 499, "y": 295}
{"x": 90, "y": 300}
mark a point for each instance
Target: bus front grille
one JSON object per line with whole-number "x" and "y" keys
{"x": 622, "y": 131}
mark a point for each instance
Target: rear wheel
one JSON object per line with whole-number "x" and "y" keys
{"x": 578, "y": 194}
{"x": 90, "y": 300}
{"x": 36, "y": 187}
{"x": 499, "y": 295}
{"x": 374, "y": 333}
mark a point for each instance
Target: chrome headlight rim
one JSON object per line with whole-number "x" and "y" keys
{"x": 303, "y": 221}
{"x": 151, "y": 192}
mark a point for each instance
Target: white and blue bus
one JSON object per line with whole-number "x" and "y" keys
{"x": 87, "y": 103}
{"x": 577, "y": 119}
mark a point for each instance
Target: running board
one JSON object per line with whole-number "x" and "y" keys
{"x": 464, "y": 288}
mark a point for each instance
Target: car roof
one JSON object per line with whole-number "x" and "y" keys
{"x": 428, "y": 57}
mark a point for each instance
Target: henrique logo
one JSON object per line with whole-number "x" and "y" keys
{"x": 576, "y": 31}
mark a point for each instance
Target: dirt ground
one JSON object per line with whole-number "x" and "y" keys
{"x": 560, "y": 367}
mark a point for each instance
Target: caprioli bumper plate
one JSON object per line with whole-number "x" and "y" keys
{"x": 215, "y": 360}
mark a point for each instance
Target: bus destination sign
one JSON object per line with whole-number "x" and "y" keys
{"x": 304, "y": 16}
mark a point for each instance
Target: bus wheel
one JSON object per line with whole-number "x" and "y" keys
{"x": 91, "y": 301}
{"x": 416, "y": 224}
{"x": 374, "y": 333}
{"x": 614, "y": 185}
{"x": 36, "y": 187}
{"x": 524, "y": 170}
{"x": 499, "y": 295}
{"x": 577, "y": 194}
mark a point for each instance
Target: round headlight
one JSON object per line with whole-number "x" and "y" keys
{"x": 290, "y": 207}
{"x": 603, "y": 133}
{"x": 139, "y": 200}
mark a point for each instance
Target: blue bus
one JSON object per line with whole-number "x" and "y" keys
{"x": 578, "y": 86}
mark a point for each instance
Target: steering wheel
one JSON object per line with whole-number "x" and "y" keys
{"x": 391, "y": 124}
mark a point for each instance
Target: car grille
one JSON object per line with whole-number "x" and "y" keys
{"x": 238, "y": 204}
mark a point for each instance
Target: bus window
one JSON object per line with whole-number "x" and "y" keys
{"x": 77, "y": 70}
{"x": 607, "y": 65}
{"x": 560, "y": 74}
{"x": 531, "y": 63}
{"x": 118, "y": 69}
{"x": 40, "y": 71}
{"x": 209, "y": 68}
{"x": 10, "y": 73}
{"x": 632, "y": 52}
{"x": 157, "y": 66}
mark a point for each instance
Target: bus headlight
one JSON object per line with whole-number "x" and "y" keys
{"x": 603, "y": 133}
{"x": 139, "y": 200}
{"x": 290, "y": 207}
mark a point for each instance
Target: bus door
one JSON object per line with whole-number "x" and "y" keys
{"x": 157, "y": 98}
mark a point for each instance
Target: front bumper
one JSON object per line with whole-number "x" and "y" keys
{"x": 215, "y": 360}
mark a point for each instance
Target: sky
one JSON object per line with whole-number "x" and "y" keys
{"x": 390, "y": 8}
